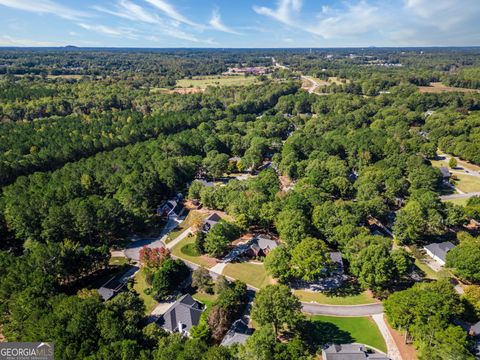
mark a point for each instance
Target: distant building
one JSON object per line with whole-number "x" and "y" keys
{"x": 337, "y": 261}
{"x": 438, "y": 251}
{"x": 446, "y": 174}
{"x": 350, "y": 352}
{"x": 261, "y": 246}
{"x": 111, "y": 288}
{"x": 238, "y": 333}
{"x": 210, "y": 222}
{"x": 181, "y": 316}
{"x": 170, "y": 209}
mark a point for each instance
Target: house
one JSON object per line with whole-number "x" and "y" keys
{"x": 171, "y": 209}
{"x": 210, "y": 222}
{"x": 238, "y": 333}
{"x": 350, "y": 352}
{"x": 438, "y": 251}
{"x": 111, "y": 288}
{"x": 181, "y": 316}
{"x": 337, "y": 263}
{"x": 446, "y": 174}
{"x": 474, "y": 329}
{"x": 261, "y": 246}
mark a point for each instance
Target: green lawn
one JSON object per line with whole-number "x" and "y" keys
{"x": 467, "y": 183}
{"x": 252, "y": 274}
{"x": 461, "y": 201}
{"x": 430, "y": 273}
{"x": 192, "y": 217}
{"x": 118, "y": 261}
{"x": 217, "y": 80}
{"x": 140, "y": 284}
{"x": 321, "y": 298}
{"x": 343, "y": 330}
{"x": 184, "y": 250}
{"x": 207, "y": 299}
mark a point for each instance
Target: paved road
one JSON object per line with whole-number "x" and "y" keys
{"x": 132, "y": 251}
{"x": 179, "y": 238}
{"x": 342, "y": 310}
{"x": 460, "y": 196}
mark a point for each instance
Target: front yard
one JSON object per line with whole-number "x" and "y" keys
{"x": 321, "y": 298}
{"x": 185, "y": 250}
{"x": 252, "y": 274}
{"x": 194, "y": 216}
{"x": 344, "y": 330}
{"x": 140, "y": 284}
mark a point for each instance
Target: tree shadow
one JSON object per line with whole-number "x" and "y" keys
{"x": 317, "y": 334}
{"x": 349, "y": 288}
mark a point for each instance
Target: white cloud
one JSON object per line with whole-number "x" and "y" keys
{"x": 351, "y": 21}
{"x": 171, "y": 12}
{"x": 285, "y": 12}
{"x": 128, "y": 10}
{"x": 445, "y": 14}
{"x": 217, "y": 24}
{"x": 45, "y": 7}
{"x": 107, "y": 30}
{"x": 6, "y": 40}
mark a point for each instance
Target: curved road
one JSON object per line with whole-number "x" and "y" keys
{"x": 342, "y": 310}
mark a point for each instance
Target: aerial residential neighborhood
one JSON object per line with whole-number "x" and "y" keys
{"x": 249, "y": 180}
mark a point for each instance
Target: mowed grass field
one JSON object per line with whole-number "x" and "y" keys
{"x": 192, "y": 218}
{"x": 252, "y": 274}
{"x": 217, "y": 80}
{"x": 321, "y": 298}
{"x": 343, "y": 330}
{"x": 140, "y": 284}
{"x": 467, "y": 183}
{"x": 185, "y": 250}
{"x": 438, "y": 87}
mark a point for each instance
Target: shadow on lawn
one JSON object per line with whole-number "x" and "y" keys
{"x": 318, "y": 333}
{"x": 349, "y": 288}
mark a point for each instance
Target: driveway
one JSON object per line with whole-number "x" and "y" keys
{"x": 132, "y": 251}
{"x": 342, "y": 310}
{"x": 460, "y": 196}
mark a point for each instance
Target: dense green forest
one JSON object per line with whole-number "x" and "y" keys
{"x": 89, "y": 150}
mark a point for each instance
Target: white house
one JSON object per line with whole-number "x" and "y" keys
{"x": 438, "y": 251}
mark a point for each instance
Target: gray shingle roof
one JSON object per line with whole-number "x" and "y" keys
{"x": 440, "y": 249}
{"x": 237, "y": 334}
{"x": 350, "y": 352}
{"x": 185, "y": 311}
{"x": 266, "y": 243}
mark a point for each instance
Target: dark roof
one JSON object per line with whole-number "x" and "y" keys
{"x": 213, "y": 218}
{"x": 185, "y": 311}
{"x": 106, "y": 293}
{"x": 337, "y": 258}
{"x": 440, "y": 249}
{"x": 350, "y": 352}
{"x": 238, "y": 333}
{"x": 445, "y": 172}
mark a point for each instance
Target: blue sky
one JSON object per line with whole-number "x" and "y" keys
{"x": 239, "y": 23}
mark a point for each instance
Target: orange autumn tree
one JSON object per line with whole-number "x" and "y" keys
{"x": 152, "y": 258}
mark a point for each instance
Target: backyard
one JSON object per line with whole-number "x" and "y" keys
{"x": 252, "y": 274}
{"x": 344, "y": 330}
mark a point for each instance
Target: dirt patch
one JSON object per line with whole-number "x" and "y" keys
{"x": 438, "y": 87}
{"x": 406, "y": 350}
{"x": 182, "y": 91}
